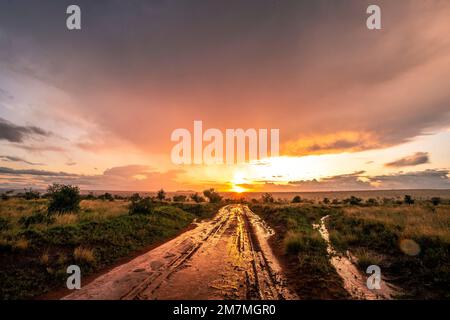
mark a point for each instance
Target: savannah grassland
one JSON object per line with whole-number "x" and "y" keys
{"x": 409, "y": 241}
{"x": 411, "y": 244}
{"x": 36, "y": 249}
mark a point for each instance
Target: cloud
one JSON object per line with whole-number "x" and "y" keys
{"x": 15, "y": 133}
{"x": 351, "y": 181}
{"x": 33, "y": 172}
{"x": 412, "y": 160}
{"x": 17, "y": 159}
{"x": 37, "y": 148}
{"x": 127, "y": 171}
{"x": 124, "y": 178}
{"x": 309, "y": 73}
{"x": 427, "y": 179}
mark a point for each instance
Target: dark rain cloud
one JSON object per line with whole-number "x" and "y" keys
{"x": 15, "y": 133}
{"x": 17, "y": 159}
{"x": 33, "y": 172}
{"x": 412, "y": 160}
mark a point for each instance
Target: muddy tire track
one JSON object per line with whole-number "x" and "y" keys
{"x": 227, "y": 257}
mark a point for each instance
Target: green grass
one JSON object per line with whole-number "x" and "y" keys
{"x": 34, "y": 256}
{"x": 374, "y": 235}
{"x": 302, "y": 248}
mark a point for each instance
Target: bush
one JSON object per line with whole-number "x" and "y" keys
{"x": 161, "y": 195}
{"x": 140, "y": 205}
{"x": 135, "y": 197}
{"x": 213, "y": 196}
{"x": 197, "y": 198}
{"x": 4, "y": 223}
{"x": 30, "y": 194}
{"x": 353, "y": 201}
{"x": 408, "y": 199}
{"x": 4, "y": 197}
{"x": 63, "y": 198}
{"x": 90, "y": 196}
{"x": 436, "y": 201}
{"x": 106, "y": 196}
{"x": 296, "y": 199}
{"x": 293, "y": 243}
{"x": 36, "y": 218}
{"x": 267, "y": 198}
{"x": 372, "y": 202}
{"x": 179, "y": 198}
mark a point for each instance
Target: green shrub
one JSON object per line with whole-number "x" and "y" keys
{"x": 63, "y": 198}
{"x": 179, "y": 198}
{"x": 4, "y": 223}
{"x": 267, "y": 198}
{"x": 106, "y": 196}
{"x": 408, "y": 199}
{"x": 31, "y": 195}
{"x": 353, "y": 201}
{"x": 140, "y": 205}
{"x": 36, "y": 218}
{"x": 436, "y": 201}
{"x": 197, "y": 198}
{"x": 213, "y": 196}
{"x": 161, "y": 195}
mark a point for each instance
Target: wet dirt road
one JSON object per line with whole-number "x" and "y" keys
{"x": 227, "y": 257}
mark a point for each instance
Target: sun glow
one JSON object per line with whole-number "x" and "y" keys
{"x": 239, "y": 178}
{"x": 238, "y": 189}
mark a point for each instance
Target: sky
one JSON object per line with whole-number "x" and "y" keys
{"x": 357, "y": 109}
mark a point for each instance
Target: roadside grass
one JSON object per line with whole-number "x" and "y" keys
{"x": 302, "y": 250}
{"x": 410, "y": 243}
{"x": 36, "y": 249}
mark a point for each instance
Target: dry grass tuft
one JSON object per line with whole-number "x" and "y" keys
{"x": 21, "y": 244}
{"x": 44, "y": 259}
{"x": 84, "y": 255}
{"x": 65, "y": 219}
{"x": 97, "y": 209}
{"x": 416, "y": 221}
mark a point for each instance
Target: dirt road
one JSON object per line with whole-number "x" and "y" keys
{"x": 227, "y": 257}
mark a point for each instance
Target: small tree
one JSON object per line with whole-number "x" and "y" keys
{"x": 63, "y": 198}
{"x": 161, "y": 195}
{"x": 90, "y": 196}
{"x": 436, "y": 201}
{"x": 326, "y": 201}
{"x": 179, "y": 198}
{"x": 31, "y": 195}
{"x": 135, "y": 197}
{"x": 267, "y": 198}
{"x": 408, "y": 199}
{"x": 213, "y": 196}
{"x": 372, "y": 202}
{"x": 141, "y": 206}
{"x": 197, "y": 198}
{"x": 106, "y": 196}
{"x": 353, "y": 200}
{"x": 297, "y": 199}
